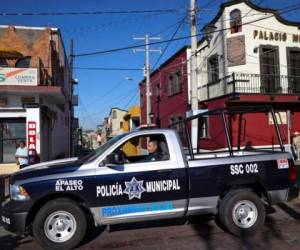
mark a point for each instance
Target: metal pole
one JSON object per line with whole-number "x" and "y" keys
{"x": 148, "y": 106}
{"x": 194, "y": 96}
{"x": 147, "y": 72}
{"x": 227, "y": 134}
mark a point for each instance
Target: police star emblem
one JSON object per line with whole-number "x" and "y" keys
{"x": 134, "y": 188}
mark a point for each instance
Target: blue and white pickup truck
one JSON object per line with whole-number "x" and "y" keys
{"x": 52, "y": 200}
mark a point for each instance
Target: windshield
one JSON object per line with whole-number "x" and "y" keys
{"x": 99, "y": 151}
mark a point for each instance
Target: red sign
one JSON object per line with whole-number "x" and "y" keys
{"x": 31, "y": 137}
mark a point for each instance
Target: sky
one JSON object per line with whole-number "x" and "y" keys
{"x": 100, "y": 90}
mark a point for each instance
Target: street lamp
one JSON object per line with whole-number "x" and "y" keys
{"x": 128, "y": 78}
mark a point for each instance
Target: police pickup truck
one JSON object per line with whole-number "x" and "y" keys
{"x": 120, "y": 183}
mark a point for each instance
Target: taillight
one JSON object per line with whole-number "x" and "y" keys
{"x": 292, "y": 172}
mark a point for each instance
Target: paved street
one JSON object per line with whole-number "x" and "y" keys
{"x": 281, "y": 231}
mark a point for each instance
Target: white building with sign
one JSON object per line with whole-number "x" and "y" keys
{"x": 250, "y": 56}
{"x": 36, "y": 94}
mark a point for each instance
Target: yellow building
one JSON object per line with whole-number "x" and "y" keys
{"x": 131, "y": 120}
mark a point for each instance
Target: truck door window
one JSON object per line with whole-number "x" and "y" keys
{"x": 145, "y": 148}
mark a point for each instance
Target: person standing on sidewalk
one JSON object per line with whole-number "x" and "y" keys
{"x": 22, "y": 155}
{"x": 99, "y": 138}
{"x": 296, "y": 144}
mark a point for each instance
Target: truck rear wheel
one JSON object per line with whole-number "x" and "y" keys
{"x": 241, "y": 212}
{"x": 59, "y": 224}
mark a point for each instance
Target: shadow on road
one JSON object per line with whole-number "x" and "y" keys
{"x": 290, "y": 211}
{"x": 10, "y": 242}
{"x": 204, "y": 229}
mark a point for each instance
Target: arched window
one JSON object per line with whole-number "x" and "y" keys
{"x": 235, "y": 21}
{"x": 23, "y": 62}
{"x": 3, "y": 62}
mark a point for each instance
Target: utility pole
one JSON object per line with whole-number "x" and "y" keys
{"x": 147, "y": 71}
{"x": 72, "y": 108}
{"x": 194, "y": 86}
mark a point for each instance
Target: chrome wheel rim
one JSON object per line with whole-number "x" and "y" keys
{"x": 244, "y": 214}
{"x": 60, "y": 226}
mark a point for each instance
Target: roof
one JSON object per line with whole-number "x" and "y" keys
{"x": 28, "y": 27}
{"x": 253, "y": 6}
{"x": 117, "y": 109}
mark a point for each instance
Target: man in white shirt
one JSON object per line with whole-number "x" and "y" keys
{"x": 296, "y": 144}
{"x": 22, "y": 155}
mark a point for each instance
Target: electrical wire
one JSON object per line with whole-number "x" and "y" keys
{"x": 84, "y": 13}
{"x": 178, "y": 38}
{"x": 165, "y": 49}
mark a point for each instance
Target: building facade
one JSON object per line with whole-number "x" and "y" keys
{"x": 169, "y": 91}
{"x": 115, "y": 122}
{"x": 131, "y": 119}
{"x": 36, "y": 93}
{"x": 249, "y": 56}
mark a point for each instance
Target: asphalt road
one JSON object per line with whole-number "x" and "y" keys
{"x": 281, "y": 231}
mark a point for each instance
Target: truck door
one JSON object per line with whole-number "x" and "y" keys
{"x": 133, "y": 185}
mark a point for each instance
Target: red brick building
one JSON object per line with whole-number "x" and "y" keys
{"x": 36, "y": 93}
{"x": 169, "y": 91}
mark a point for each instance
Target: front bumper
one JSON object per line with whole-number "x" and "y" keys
{"x": 293, "y": 192}
{"x": 13, "y": 215}
{"x": 14, "y": 222}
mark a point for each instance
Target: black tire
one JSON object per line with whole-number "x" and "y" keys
{"x": 62, "y": 206}
{"x": 241, "y": 200}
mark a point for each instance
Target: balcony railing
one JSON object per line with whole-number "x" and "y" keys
{"x": 250, "y": 84}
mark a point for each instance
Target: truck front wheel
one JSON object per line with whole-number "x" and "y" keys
{"x": 241, "y": 212}
{"x": 59, "y": 224}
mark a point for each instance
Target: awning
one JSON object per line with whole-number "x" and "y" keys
{"x": 54, "y": 93}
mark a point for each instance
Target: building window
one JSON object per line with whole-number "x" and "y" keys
{"x": 114, "y": 114}
{"x": 142, "y": 100}
{"x": 269, "y": 69}
{"x": 175, "y": 83}
{"x": 213, "y": 69}
{"x": 158, "y": 90}
{"x": 23, "y": 62}
{"x": 203, "y": 127}
{"x": 235, "y": 21}
{"x": 12, "y": 131}
{"x": 294, "y": 70}
{"x": 3, "y": 62}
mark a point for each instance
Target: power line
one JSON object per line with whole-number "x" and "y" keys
{"x": 85, "y": 13}
{"x": 108, "y": 69}
{"x": 287, "y": 9}
{"x": 165, "y": 49}
{"x": 132, "y": 98}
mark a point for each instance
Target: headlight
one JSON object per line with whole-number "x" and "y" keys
{"x": 18, "y": 193}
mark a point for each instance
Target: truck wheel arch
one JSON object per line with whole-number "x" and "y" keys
{"x": 43, "y": 200}
{"x": 255, "y": 187}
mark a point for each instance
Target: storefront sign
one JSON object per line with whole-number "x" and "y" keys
{"x": 31, "y": 136}
{"x": 18, "y": 76}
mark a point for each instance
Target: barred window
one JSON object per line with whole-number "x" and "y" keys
{"x": 203, "y": 127}
{"x": 213, "y": 69}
